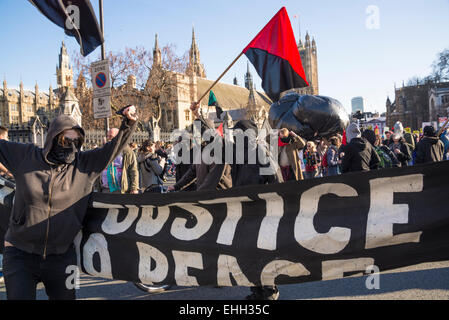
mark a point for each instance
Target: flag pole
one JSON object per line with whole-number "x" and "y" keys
{"x": 216, "y": 81}
{"x": 103, "y": 53}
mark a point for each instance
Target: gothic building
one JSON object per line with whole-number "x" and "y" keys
{"x": 414, "y": 105}
{"x": 308, "y": 53}
{"x": 23, "y": 112}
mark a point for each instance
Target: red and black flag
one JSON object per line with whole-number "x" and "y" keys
{"x": 274, "y": 54}
{"x": 77, "y": 18}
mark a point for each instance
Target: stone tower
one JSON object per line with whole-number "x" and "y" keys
{"x": 308, "y": 53}
{"x": 64, "y": 71}
{"x": 195, "y": 67}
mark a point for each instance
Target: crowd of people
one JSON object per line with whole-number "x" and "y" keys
{"x": 123, "y": 167}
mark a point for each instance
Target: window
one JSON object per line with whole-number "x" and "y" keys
{"x": 445, "y": 99}
{"x": 14, "y": 107}
{"x": 29, "y": 109}
{"x": 187, "y": 112}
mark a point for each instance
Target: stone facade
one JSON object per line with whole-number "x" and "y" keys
{"x": 414, "y": 105}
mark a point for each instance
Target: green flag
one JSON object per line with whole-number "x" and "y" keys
{"x": 213, "y": 102}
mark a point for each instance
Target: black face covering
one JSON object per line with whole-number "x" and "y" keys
{"x": 286, "y": 139}
{"x": 61, "y": 155}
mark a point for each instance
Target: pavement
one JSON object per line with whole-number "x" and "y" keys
{"x": 427, "y": 281}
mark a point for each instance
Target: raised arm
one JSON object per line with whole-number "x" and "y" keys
{"x": 97, "y": 160}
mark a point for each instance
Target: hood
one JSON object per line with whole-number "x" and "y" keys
{"x": 359, "y": 143}
{"x": 59, "y": 124}
{"x": 352, "y": 131}
{"x": 431, "y": 140}
{"x": 369, "y": 135}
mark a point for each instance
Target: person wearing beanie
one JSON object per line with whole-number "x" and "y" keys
{"x": 359, "y": 155}
{"x": 430, "y": 148}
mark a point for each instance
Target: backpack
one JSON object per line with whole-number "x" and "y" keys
{"x": 385, "y": 160}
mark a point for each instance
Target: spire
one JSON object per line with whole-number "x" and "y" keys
{"x": 248, "y": 78}
{"x": 157, "y": 57}
{"x": 195, "y": 67}
{"x": 307, "y": 39}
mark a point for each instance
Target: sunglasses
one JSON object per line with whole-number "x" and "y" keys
{"x": 66, "y": 142}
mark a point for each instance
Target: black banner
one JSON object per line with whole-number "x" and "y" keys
{"x": 293, "y": 232}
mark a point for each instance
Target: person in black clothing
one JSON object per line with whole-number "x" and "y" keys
{"x": 382, "y": 150}
{"x": 250, "y": 174}
{"x": 359, "y": 155}
{"x": 53, "y": 185}
{"x": 430, "y": 148}
{"x": 400, "y": 148}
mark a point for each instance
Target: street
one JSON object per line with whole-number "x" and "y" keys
{"x": 428, "y": 281}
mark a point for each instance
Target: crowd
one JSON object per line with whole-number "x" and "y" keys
{"x": 123, "y": 167}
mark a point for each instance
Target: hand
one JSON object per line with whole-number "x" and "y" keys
{"x": 134, "y": 192}
{"x": 170, "y": 189}
{"x": 397, "y": 151}
{"x": 130, "y": 113}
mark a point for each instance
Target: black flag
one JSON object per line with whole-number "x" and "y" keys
{"x": 77, "y": 18}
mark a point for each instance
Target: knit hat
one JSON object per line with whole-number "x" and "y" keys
{"x": 352, "y": 131}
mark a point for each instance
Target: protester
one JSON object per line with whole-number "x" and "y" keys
{"x": 359, "y": 155}
{"x": 150, "y": 167}
{"x": 400, "y": 149}
{"x": 213, "y": 176}
{"x": 160, "y": 151}
{"x": 52, "y": 193}
{"x": 289, "y": 144}
{"x": 430, "y": 148}
{"x": 121, "y": 176}
{"x": 4, "y": 172}
{"x": 387, "y": 139}
{"x": 444, "y": 138}
{"x": 181, "y": 167}
{"x": 410, "y": 141}
{"x": 322, "y": 150}
{"x": 332, "y": 157}
{"x": 386, "y": 156}
{"x": 312, "y": 160}
{"x": 247, "y": 173}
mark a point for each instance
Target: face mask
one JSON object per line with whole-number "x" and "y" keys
{"x": 62, "y": 155}
{"x": 286, "y": 139}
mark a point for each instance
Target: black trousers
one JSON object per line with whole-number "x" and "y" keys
{"x": 23, "y": 271}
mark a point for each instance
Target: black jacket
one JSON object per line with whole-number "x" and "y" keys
{"x": 404, "y": 155}
{"x": 429, "y": 149}
{"x": 359, "y": 155}
{"x": 51, "y": 200}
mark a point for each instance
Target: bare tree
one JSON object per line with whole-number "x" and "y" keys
{"x": 135, "y": 79}
{"x": 441, "y": 66}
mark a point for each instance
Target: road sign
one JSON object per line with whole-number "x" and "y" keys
{"x": 102, "y": 107}
{"x": 101, "y": 85}
{"x": 100, "y": 78}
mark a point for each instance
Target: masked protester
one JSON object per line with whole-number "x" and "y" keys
{"x": 53, "y": 185}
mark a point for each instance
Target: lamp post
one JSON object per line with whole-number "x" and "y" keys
{"x": 103, "y": 53}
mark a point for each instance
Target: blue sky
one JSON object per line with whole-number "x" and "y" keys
{"x": 352, "y": 59}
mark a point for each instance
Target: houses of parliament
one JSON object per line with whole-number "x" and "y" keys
{"x": 27, "y": 113}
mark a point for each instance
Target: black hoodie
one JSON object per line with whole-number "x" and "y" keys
{"x": 359, "y": 156}
{"x": 51, "y": 200}
{"x": 429, "y": 149}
